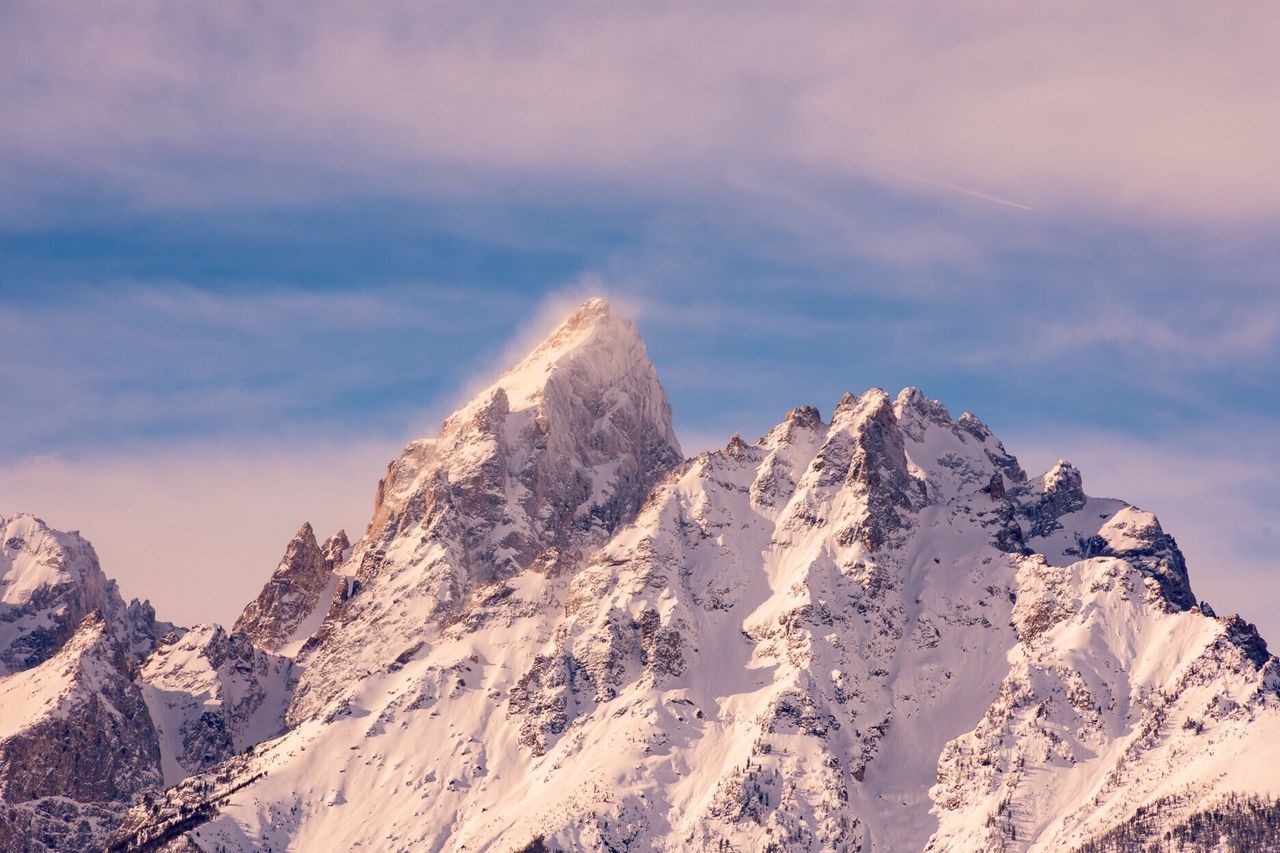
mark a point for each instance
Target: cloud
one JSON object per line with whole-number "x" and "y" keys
{"x": 136, "y": 362}
{"x": 1082, "y": 109}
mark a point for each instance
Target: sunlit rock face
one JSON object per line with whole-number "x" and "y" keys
{"x": 76, "y": 743}
{"x": 294, "y": 590}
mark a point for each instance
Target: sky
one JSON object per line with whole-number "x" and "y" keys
{"x": 247, "y": 251}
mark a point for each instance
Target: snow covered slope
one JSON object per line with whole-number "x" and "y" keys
{"x": 872, "y": 632}
{"x": 212, "y": 695}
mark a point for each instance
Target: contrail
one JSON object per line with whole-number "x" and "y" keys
{"x": 964, "y": 190}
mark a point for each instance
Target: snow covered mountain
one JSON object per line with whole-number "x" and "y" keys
{"x": 76, "y": 741}
{"x": 49, "y": 581}
{"x": 873, "y": 632}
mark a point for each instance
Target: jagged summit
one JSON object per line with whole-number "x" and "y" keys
{"x": 598, "y": 343}
{"x": 572, "y": 395}
{"x": 49, "y": 581}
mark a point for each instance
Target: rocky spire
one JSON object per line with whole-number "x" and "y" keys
{"x": 293, "y": 590}
{"x": 577, "y": 432}
{"x": 335, "y": 548}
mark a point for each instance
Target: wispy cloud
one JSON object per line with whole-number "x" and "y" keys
{"x": 138, "y": 362}
{"x": 1096, "y": 108}
{"x": 972, "y": 193}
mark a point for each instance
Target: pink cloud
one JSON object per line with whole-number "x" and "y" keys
{"x": 1092, "y": 107}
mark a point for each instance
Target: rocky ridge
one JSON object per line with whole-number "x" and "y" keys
{"x": 76, "y": 743}
{"x": 101, "y": 703}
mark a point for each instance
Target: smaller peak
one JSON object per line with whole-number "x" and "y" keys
{"x": 1062, "y": 473}
{"x": 25, "y": 521}
{"x": 334, "y": 547}
{"x": 1065, "y": 478}
{"x": 204, "y": 633}
{"x": 972, "y": 424}
{"x": 1245, "y": 636}
{"x": 911, "y": 395}
{"x": 878, "y": 404}
{"x": 912, "y": 398}
{"x": 92, "y": 632}
{"x": 847, "y": 402}
{"x": 94, "y": 620}
{"x": 916, "y": 411}
{"x": 736, "y": 448}
{"x": 303, "y": 541}
{"x": 596, "y": 306}
{"x": 874, "y": 403}
{"x": 805, "y": 416}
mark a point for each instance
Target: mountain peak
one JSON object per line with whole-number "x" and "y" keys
{"x": 596, "y": 307}
{"x": 594, "y": 341}
{"x": 539, "y": 468}
{"x": 293, "y": 590}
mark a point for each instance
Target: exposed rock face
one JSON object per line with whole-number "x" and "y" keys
{"x": 95, "y": 744}
{"x": 73, "y": 730}
{"x": 293, "y": 591}
{"x": 1054, "y": 516}
{"x": 1058, "y": 493}
{"x": 335, "y": 549}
